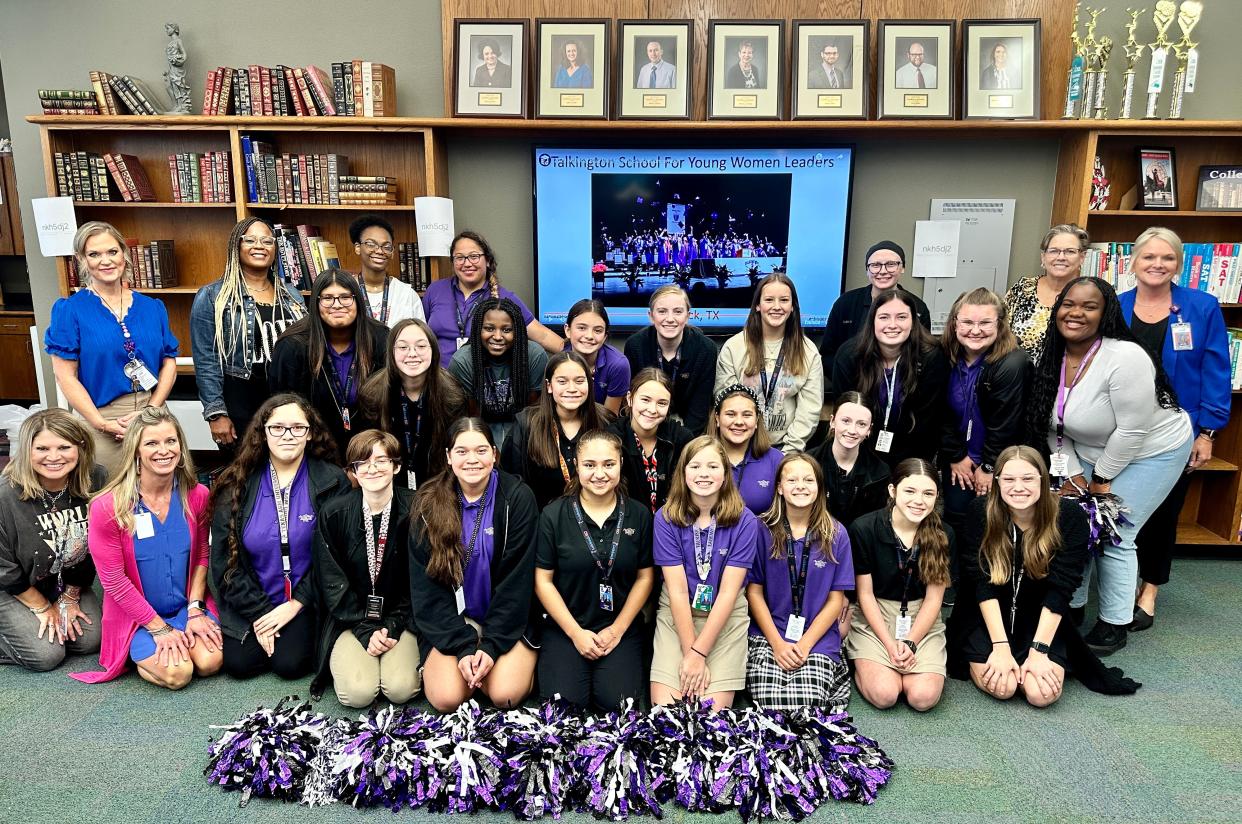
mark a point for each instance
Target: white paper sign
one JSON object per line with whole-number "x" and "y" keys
{"x": 434, "y": 216}
{"x": 935, "y": 248}
{"x": 56, "y": 224}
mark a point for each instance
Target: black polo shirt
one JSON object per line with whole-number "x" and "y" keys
{"x": 875, "y": 546}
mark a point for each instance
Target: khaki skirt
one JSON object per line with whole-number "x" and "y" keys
{"x": 863, "y": 643}
{"x": 727, "y": 660}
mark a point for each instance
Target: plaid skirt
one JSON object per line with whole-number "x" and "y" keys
{"x": 821, "y": 681}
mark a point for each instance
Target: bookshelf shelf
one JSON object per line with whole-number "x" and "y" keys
{"x": 1217, "y": 465}
{"x": 1190, "y": 534}
{"x": 347, "y": 207}
{"x": 151, "y": 204}
{"x": 1156, "y": 214}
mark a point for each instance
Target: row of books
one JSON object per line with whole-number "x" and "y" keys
{"x": 122, "y": 94}
{"x": 1235, "y": 357}
{"x": 130, "y": 178}
{"x": 415, "y": 271}
{"x": 81, "y": 175}
{"x": 303, "y": 253}
{"x": 358, "y": 87}
{"x": 68, "y": 101}
{"x": 317, "y": 179}
{"x": 201, "y": 177}
{"x": 1215, "y": 268}
{"x": 155, "y": 265}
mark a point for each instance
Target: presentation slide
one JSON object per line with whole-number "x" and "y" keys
{"x": 617, "y": 224}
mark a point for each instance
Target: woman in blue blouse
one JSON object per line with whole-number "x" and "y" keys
{"x": 1184, "y": 331}
{"x": 573, "y": 73}
{"x": 112, "y": 350}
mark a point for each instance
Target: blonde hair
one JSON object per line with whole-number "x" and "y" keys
{"x": 680, "y": 509}
{"x": 1005, "y": 341}
{"x": 1039, "y": 543}
{"x": 123, "y": 485}
{"x": 1066, "y": 229}
{"x": 665, "y": 291}
{"x": 20, "y": 471}
{"x": 821, "y": 525}
{"x": 89, "y": 230}
{"x": 1158, "y": 233}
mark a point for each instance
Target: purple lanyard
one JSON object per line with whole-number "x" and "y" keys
{"x": 1063, "y": 391}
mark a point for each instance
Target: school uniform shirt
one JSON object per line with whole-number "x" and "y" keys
{"x": 875, "y": 546}
{"x": 611, "y": 376}
{"x": 793, "y": 409}
{"x": 692, "y": 371}
{"x": 448, "y": 313}
{"x": 824, "y": 576}
{"x": 986, "y": 400}
{"x": 755, "y": 479}
{"x": 261, "y": 535}
{"x": 734, "y": 546}
{"x": 562, "y": 548}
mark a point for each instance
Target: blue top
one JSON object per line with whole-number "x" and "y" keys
{"x": 164, "y": 558}
{"x": 734, "y": 546}
{"x": 477, "y": 572}
{"x": 581, "y": 79}
{"x": 261, "y": 534}
{"x": 1200, "y": 375}
{"x": 83, "y": 329}
{"x": 755, "y": 479}
{"x": 444, "y": 307}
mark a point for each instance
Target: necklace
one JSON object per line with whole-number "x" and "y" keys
{"x": 116, "y": 313}
{"x": 52, "y": 500}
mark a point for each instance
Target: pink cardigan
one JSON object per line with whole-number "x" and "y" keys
{"x": 124, "y": 607}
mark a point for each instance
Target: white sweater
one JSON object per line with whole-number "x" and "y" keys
{"x": 795, "y": 408}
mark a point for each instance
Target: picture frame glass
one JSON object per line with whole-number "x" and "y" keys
{"x": 573, "y": 69}
{"x": 1001, "y": 70}
{"x": 917, "y": 72}
{"x": 491, "y": 69}
{"x": 830, "y": 78}
{"x": 1157, "y": 180}
{"x": 1219, "y": 189}
{"x": 746, "y": 71}
{"x": 654, "y": 74}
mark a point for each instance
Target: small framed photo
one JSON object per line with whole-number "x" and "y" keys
{"x": 573, "y": 65}
{"x": 1000, "y": 69}
{"x": 916, "y": 69}
{"x": 746, "y": 69}
{"x": 1157, "y": 178}
{"x": 830, "y": 69}
{"x": 490, "y": 68}
{"x": 1220, "y": 189}
{"x": 655, "y": 69}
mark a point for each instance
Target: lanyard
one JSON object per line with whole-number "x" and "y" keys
{"x": 907, "y": 566}
{"x": 1063, "y": 391}
{"x": 282, "y": 518}
{"x": 459, "y": 309}
{"x": 131, "y": 348}
{"x": 703, "y": 557}
{"x": 340, "y": 392}
{"x": 382, "y": 317}
{"x": 411, "y": 438}
{"x": 891, "y": 384}
{"x": 651, "y": 469}
{"x": 970, "y": 380}
{"x": 797, "y": 580}
{"x": 1016, "y": 580}
{"x": 769, "y": 385}
{"x": 669, "y": 368}
{"x": 375, "y": 548}
{"x": 616, "y": 537}
{"x": 478, "y": 522}
{"x": 560, "y": 453}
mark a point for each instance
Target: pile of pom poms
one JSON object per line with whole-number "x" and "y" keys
{"x": 552, "y": 758}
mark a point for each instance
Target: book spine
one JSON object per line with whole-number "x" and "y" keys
{"x": 204, "y": 178}
{"x": 368, "y": 100}
{"x": 319, "y": 91}
{"x": 144, "y": 105}
{"x": 334, "y": 185}
{"x": 266, "y": 85}
{"x": 172, "y": 172}
{"x": 275, "y": 181}
{"x": 97, "y": 87}
{"x": 224, "y": 91}
{"x": 338, "y": 88}
{"x": 209, "y": 90}
{"x": 356, "y": 97}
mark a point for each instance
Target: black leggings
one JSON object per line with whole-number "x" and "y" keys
{"x": 1158, "y": 536}
{"x": 293, "y": 657}
{"x": 604, "y": 683}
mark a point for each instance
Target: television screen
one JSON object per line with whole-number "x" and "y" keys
{"x": 617, "y": 224}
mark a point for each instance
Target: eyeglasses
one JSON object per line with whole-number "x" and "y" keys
{"x": 380, "y": 464}
{"x": 297, "y": 430}
{"x": 982, "y": 326}
{"x": 265, "y": 242}
{"x": 405, "y": 348}
{"x": 884, "y": 266}
{"x": 344, "y": 300}
{"x": 372, "y": 246}
{"x": 473, "y": 257}
{"x": 1055, "y": 253}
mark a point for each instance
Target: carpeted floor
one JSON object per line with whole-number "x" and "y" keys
{"x": 127, "y": 752}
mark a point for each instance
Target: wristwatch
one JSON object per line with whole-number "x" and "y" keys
{"x": 1096, "y": 478}
{"x": 1039, "y": 646}
{"x": 1210, "y": 434}
{"x": 913, "y": 646}
{"x": 199, "y": 605}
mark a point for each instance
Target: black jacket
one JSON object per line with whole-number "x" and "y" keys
{"x": 845, "y": 318}
{"x": 242, "y": 600}
{"x": 1002, "y": 393}
{"x": 863, "y": 490}
{"x": 696, "y": 374}
{"x": 439, "y": 624}
{"x": 429, "y": 459}
{"x": 917, "y": 430}
{"x": 344, "y": 578}
{"x": 547, "y": 482}
{"x": 289, "y": 371}
{"x": 671, "y": 439}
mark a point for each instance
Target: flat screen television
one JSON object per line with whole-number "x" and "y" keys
{"x": 618, "y": 223}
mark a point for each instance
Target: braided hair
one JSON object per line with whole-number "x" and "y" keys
{"x": 491, "y": 408}
{"x": 1047, "y": 380}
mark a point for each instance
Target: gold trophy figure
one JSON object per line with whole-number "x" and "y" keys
{"x": 1091, "y": 74}
{"x": 1187, "y": 19}
{"x": 1163, "y": 18}
{"x": 1102, "y": 52}
{"x": 1133, "y": 50}
{"x": 1073, "y": 84}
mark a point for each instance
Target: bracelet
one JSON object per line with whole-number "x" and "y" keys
{"x": 994, "y": 643}
{"x": 692, "y": 649}
{"x": 164, "y": 630}
{"x": 69, "y": 599}
{"x": 42, "y": 609}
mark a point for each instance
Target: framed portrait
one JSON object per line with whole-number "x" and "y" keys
{"x": 654, "y": 71}
{"x": 1220, "y": 189}
{"x": 916, "y": 69}
{"x": 490, "y": 68}
{"x": 573, "y": 65}
{"x": 1000, "y": 69}
{"x": 1157, "y": 181}
{"x": 830, "y": 69}
{"x": 746, "y": 69}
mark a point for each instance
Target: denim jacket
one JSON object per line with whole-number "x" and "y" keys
{"x": 209, "y": 366}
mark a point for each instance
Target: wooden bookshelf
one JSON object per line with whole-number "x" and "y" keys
{"x": 1213, "y": 510}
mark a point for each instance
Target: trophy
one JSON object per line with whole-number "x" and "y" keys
{"x": 1187, "y": 56}
{"x": 1073, "y": 85}
{"x": 1091, "y": 74}
{"x": 1103, "y": 50}
{"x": 1133, "y": 50}
{"x": 1163, "y": 18}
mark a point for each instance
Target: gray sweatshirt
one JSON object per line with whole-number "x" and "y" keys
{"x": 37, "y": 547}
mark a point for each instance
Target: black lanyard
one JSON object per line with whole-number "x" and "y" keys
{"x": 797, "y": 579}
{"x": 366, "y": 297}
{"x": 669, "y": 368}
{"x": 340, "y": 391}
{"x": 283, "y": 503}
{"x": 768, "y": 386}
{"x": 1015, "y": 579}
{"x": 411, "y": 439}
{"x": 908, "y": 567}
{"x": 616, "y": 537}
{"x": 478, "y": 522}
{"x": 459, "y": 309}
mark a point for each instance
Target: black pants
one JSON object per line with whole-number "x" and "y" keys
{"x": 294, "y": 655}
{"x": 604, "y": 683}
{"x": 1156, "y": 539}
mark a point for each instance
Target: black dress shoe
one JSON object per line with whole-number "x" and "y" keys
{"x": 1105, "y": 638}
{"x": 1078, "y": 615}
{"x": 1142, "y": 620}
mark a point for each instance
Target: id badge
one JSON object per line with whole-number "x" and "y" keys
{"x": 410, "y": 480}
{"x": 1059, "y": 465}
{"x": 605, "y": 597}
{"x": 345, "y": 417}
{"x": 704, "y": 595}
{"x": 143, "y": 528}
{"x": 462, "y": 342}
{"x": 884, "y": 441}
{"x": 138, "y": 372}
{"x": 1183, "y": 341}
{"x": 904, "y": 622}
{"x": 460, "y": 595}
{"x": 375, "y": 607}
{"x": 794, "y": 628}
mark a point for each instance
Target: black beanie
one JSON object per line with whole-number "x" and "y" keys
{"x": 890, "y": 246}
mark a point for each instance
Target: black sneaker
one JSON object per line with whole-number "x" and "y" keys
{"x": 1078, "y": 615}
{"x": 1142, "y": 620}
{"x": 1105, "y": 638}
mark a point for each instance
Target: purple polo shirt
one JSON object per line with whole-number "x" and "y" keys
{"x": 612, "y": 373}
{"x": 261, "y": 535}
{"x": 342, "y": 363}
{"x": 478, "y": 573}
{"x": 734, "y": 546}
{"x": 755, "y": 479}
{"x": 823, "y": 577}
{"x": 882, "y": 389}
{"x": 964, "y": 401}
{"x": 443, "y": 305}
